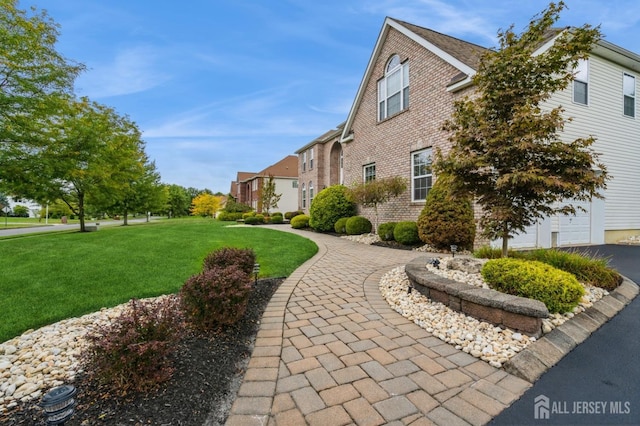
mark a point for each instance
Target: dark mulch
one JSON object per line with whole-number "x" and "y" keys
{"x": 208, "y": 374}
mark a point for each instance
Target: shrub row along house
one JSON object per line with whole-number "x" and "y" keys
{"x": 411, "y": 82}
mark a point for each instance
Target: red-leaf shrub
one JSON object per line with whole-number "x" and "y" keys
{"x": 227, "y": 256}
{"x": 216, "y": 297}
{"x": 134, "y": 351}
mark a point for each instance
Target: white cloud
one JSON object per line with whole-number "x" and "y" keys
{"x": 132, "y": 70}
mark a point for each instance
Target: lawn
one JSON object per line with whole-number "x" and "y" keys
{"x": 48, "y": 277}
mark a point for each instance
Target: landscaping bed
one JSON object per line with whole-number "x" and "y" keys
{"x": 208, "y": 373}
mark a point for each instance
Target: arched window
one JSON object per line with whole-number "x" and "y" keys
{"x": 393, "y": 88}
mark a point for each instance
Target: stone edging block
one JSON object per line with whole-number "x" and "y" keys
{"x": 536, "y": 359}
{"x": 519, "y": 313}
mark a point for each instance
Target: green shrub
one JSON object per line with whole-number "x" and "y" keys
{"x": 229, "y": 216}
{"x": 560, "y": 291}
{"x": 276, "y": 219}
{"x": 341, "y": 225}
{"x": 277, "y": 214}
{"x": 406, "y": 233}
{"x": 358, "y": 225}
{"x": 248, "y": 214}
{"x": 254, "y": 220}
{"x": 446, "y": 220}
{"x": 133, "y": 352}
{"x": 488, "y": 252}
{"x": 245, "y": 258}
{"x": 385, "y": 231}
{"x": 216, "y": 297}
{"x": 291, "y": 215}
{"x": 331, "y": 204}
{"x": 299, "y": 222}
{"x": 587, "y": 269}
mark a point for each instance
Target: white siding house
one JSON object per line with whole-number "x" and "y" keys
{"x": 596, "y": 104}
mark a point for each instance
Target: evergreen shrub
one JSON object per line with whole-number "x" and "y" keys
{"x": 300, "y": 222}
{"x": 406, "y": 233}
{"x": 331, "y": 204}
{"x": 385, "y": 231}
{"x": 341, "y": 225}
{"x": 358, "y": 225}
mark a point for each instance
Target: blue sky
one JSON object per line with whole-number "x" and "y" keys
{"x": 224, "y": 86}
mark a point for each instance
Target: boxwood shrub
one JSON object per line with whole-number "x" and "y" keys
{"x": 328, "y": 206}
{"x": 358, "y": 225}
{"x": 299, "y": 222}
{"x": 385, "y": 231}
{"x": 560, "y": 291}
{"x": 406, "y": 233}
{"x": 291, "y": 215}
{"x": 341, "y": 225}
{"x": 254, "y": 220}
{"x": 229, "y": 216}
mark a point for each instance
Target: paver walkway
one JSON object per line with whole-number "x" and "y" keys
{"x": 330, "y": 351}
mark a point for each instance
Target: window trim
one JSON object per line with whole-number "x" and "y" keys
{"x": 584, "y": 81}
{"x": 310, "y": 193}
{"x": 304, "y": 161}
{"x": 304, "y": 195}
{"x": 310, "y": 158}
{"x": 392, "y": 67}
{"x": 625, "y": 96}
{"x": 368, "y": 177}
{"x": 414, "y": 177}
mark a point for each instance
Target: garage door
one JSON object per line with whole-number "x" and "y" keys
{"x": 576, "y": 229}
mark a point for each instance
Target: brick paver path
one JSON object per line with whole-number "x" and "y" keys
{"x": 330, "y": 351}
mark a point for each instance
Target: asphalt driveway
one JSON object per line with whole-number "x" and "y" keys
{"x": 599, "y": 381}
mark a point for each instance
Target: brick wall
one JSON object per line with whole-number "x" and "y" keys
{"x": 390, "y": 143}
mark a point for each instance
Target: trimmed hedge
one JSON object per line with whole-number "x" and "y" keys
{"x": 254, "y": 220}
{"x": 560, "y": 291}
{"x": 229, "y": 216}
{"x": 385, "y": 231}
{"x": 341, "y": 225}
{"x": 299, "y": 222}
{"x": 291, "y": 215}
{"x": 358, "y": 225}
{"x": 331, "y": 204}
{"x": 406, "y": 233}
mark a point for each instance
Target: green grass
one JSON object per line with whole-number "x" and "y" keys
{"x": 48, "y": 277}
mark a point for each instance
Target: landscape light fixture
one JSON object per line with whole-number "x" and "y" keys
{"x": 256, "y": 271}
{"x": 454, "y": 249}
{"x": 435, "y": 263}
{"x": 59, "y": 404}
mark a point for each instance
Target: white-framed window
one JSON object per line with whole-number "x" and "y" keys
{"x": 304, "y": 161}
{"x": 304, "y": 197}
{"x": 629, "y": 94}
{"x": 421, "y": 176}
{"x": 254, "y": 185}
{"x": 581, "y": 83}
{"x": 310, "y": 192}
{"x": 311, "y": 159}
{"x": 294, "y": 184}
{"x": 369, "y": 172}
{"x": 393, "y": 88}
{"x": 341, "y": 167}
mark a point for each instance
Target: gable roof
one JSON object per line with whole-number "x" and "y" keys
{"x": 285, "y": 168}
{"x": 324, "y": 138}
{"x": 460, "y": 54}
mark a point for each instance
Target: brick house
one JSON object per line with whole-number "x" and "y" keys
{"x": 319, "y": 165}
{"x": 411, "y": 81}
{"x": 247, "y": 188}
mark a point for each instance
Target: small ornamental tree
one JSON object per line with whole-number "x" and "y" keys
{"x": 268, "y": 197}
{"x": 205, "y": 205}
{"x": 446, "y": 219}
{"x": 377, "y": 192}
{"x": 507, "y": 151}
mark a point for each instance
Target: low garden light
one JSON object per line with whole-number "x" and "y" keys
{"x": 454, "y": 249}
{"x": 256, "y": 271}
{"x": 59, "y": 404}
{"x": 435, "y": 263}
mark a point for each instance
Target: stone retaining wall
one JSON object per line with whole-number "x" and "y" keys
{"x": 518, "y": 313}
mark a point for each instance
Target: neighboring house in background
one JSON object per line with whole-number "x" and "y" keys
{"x": 239, "y": 190}
{"x": 412, "y": 79}
{"x": 248, "y": 186}
{"x": 320, "y": 164}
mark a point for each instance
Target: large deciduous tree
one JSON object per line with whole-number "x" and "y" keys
{"x": 205, "y": 205}
{"x": 507, "y": 151}
{"x": 34, "y": 78}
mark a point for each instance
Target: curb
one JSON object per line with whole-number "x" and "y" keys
{"x": 546, "y": 352}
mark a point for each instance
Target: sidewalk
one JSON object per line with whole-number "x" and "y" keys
{"x": 330, "y": 351}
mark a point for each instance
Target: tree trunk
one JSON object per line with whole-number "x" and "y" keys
{"x": 505, "y": 242}
{"x": 81, "y": 211}
{"x": 126, "y": 213}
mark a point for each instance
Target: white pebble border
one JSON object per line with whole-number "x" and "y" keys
{"x": 38, "y": 360}
{"x": 493, "y": 344}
